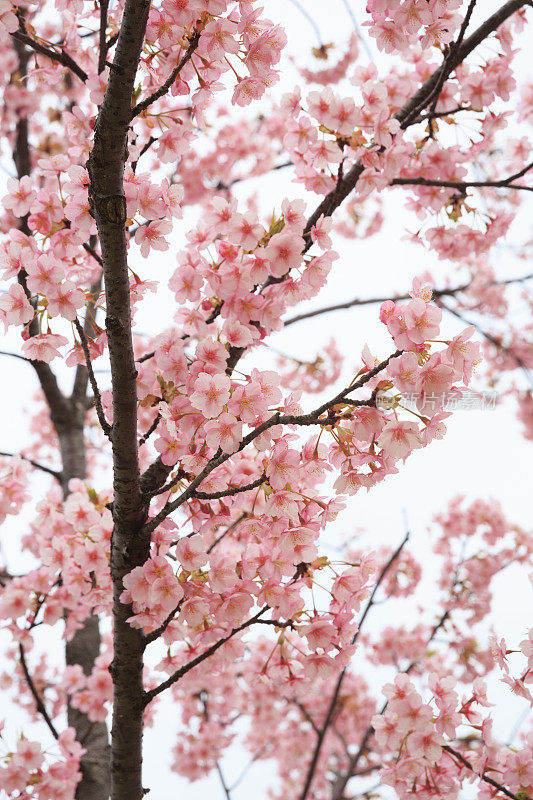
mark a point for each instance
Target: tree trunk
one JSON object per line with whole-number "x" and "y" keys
{"x": 129, "y": 546}
{"x": 84, "y": 647}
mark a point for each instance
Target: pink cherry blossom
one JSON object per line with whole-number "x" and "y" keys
{"x": 211, "y": 393}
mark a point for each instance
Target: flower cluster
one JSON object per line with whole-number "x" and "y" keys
{"x": 242, "y": 473}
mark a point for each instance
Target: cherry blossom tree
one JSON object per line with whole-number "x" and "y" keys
{"x": 174, "y": 520}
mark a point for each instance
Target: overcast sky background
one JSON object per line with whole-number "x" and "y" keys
{"x": 482, "y": 455}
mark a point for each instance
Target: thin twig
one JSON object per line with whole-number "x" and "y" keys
{"x": 228, "y": 530}
{"x": 231, "y": 491}
{"x": 358, "y": 29}
{"x": 81, "y": 376}
{"x": 55, "y": 474}
{"x": 247, "y": 768}
{"x": 149, "y": 696}
{"x": 103, "y": 45}
{"x": 60, "y": 57}
{"x": 504, "y": 183}
{"x": 36, "y": 696}
{"x": 87, "y": 247}
{"x": 312, "y": 418}
{"x": 104, "y": 424}
{"x": 15, "y": 355}
{"x": 155, "y": 634}
{"x": 163, "y": 89}
{"x": 334, "y": 698}
{"x": 342, "y": 780}
{"x": 225, "y": 787}
{"x": 167, "y": 486}
{"x": 456, "y": 754}
{"x": 439, "y": 114}
{"x": 397, "y": 298}
{"x": 148, "y": 144}
{"x": 150, "y": 430}
{"x": 310, "y": 20}
{"x": 451, "y": 52}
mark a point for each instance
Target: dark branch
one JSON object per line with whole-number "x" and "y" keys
{"x": 457, "y": 755}
{"x": 453, "y": 47}
{"x": 41, "y": 708}
{"x": 425, "y": 95}
{"x": 163, "y": 89}
{"x": 342, "y": 780}
{"x": 103, "y": 44}
{"x": 406, "y": 116}
{"x": 59, "y": 57}
{"x": 225, "y": 787}
{"x": 228, "y": 530}
{"x": 54, "y": 473}
{"x": 335, "y": 696}
{"x": 397, "y": 298}
{"x": 413, "y": 107}
{"x": 106, "y": 427}
{"x": 15, "y": 355}
{"x": 462, "y": 186}
{"x": 93, "y": 253}
{"x": 149, "y": 696}
{"x": 150, "y": 430}
{"x": 155, "y": 634}
{"x": 312, "y": 418}
{"x": 81, "y": 376}
{"x": 230, "y": 492}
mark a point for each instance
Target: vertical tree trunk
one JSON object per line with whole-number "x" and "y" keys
{"x": 129, "y": 547}
{"x": 84, "y": 647}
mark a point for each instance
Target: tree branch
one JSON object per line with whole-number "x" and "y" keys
{"x": 225, "y": 787}
{"x": 149, "y": 696}
{"x": 312, "y": 418}
{"x": 453, "y": 47}
{"x": 427, "y": 91}
{"x": 335, "y": 696}
{"x": 41, "y": 708}
{"x": 489, "y": 337}
{"x": 150, "y": 430}
{"x": 413, "y": 107}
{"x": 406, "y": 116}
{"x": 104, "y": 424}
{"x": 68, "y": 418}
{"x": 155, "y": 634}
{"x": 231, "y": 491}
{"x": 15, "y": 355}
{"x": 504, "y": 183}
{"x": 154, "y": 477}
{"x": 92, "y": 252}
{"x": 456, "y": 754}
{"x": 163, "y": 89}
{"x": 59, "y": 57}
{"x": 342, "y": 780}
{"x": 228, "y": 530}
{"x": 54, "y": 473}
{"x": 59, "y": 406}
{"x": 397, "y": 298}
{"x": 81, "y": 376}
{"x": 103, "y": 45}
